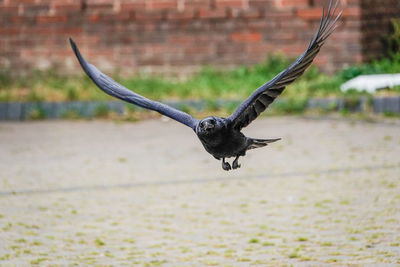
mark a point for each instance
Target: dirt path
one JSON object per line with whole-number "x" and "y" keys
{"x": 147, "y": 194}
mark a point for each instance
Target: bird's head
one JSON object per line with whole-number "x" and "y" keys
{"x": 209, "y": 125}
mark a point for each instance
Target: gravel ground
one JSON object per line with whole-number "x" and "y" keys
{"x": 147, "y": 194}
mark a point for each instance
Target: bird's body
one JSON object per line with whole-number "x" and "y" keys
{"x": 224, "y": 142}
{"x": 221, "y": 140}
{"x": 222, "y": 137}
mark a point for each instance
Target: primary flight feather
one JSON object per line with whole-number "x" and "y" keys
{"x": 222, "y": 137}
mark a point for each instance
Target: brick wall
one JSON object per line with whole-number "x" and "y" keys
{"x": 178, "y": 36}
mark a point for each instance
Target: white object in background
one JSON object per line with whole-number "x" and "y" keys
{"x": 371, "y": 83}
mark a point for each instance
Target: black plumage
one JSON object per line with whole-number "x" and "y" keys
{"x": 222, "y": 137}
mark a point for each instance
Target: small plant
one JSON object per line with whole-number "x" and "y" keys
{"x": 99, "y": 242}
{"x": 185, "y": 108}
{"x": 267, "y": 244}
{"x": 392, "y": 41}
{"x": 5, "y": 257}
{"x": 212, "y": 105}
{"x": 122, "y": 160}
{"x": 35, "y": 96}
{"x": 385, "y": 65}
{"x": 71, "y": 115}
{"x": 102, "y": 111}
{"x": 294, "y": 254}
{"x": 254, "y": 240}
{"x": 37, "y": 114}
{"x": 327, "y": 244}
{"x": 38, "y": 261}
{"x": 302, "y": 239}
{"x": 72, "y": 94}
{"x": 290, "y": 106}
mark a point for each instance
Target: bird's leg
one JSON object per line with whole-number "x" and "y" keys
{"x": 235, "y": 163}
{"x": 225, "y": 165}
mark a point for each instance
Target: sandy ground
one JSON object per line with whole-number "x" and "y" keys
{"x": 147, "y": 194}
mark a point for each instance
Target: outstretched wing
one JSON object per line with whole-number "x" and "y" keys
{"x": 113, "y": 88}
{"x": 258, "y": 101}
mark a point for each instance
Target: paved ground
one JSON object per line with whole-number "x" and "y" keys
{"x": 146, "y": 194}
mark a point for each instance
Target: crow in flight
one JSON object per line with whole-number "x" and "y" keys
{"x": 222, "y": 137}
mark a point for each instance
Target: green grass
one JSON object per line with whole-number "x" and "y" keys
{"x": 209, "y": 84}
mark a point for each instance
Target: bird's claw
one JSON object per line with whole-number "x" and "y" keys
{"x": 226, "y": 166}
{"x": 235, "y": 165}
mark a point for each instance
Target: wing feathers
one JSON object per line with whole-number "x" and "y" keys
{"x": 274, "y": 92}
{"x": 259, "y": 107}
{"x": 267, "y": 93}
{"x": 113, "y": 88}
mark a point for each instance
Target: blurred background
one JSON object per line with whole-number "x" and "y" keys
{"x": 105, "y": 192}
{"x": 180, "y": 49}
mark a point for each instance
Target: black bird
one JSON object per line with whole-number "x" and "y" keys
{"x": 222, "y": 137}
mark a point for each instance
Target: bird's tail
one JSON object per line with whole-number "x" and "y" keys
{"x": 256, "y": 143}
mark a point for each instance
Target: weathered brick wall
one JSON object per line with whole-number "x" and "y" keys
{"x": 178, "y": 36}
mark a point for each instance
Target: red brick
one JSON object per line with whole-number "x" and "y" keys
{"x": 181, "y": 15}
{"x": 163, "y": 4}
{"x": 246, "y": 37}
{"x": 11, "y": 9}
{"x": 98, "y": 52}
{"x": 62, "y": 53}
{"x": 252, "y": 13}
{"x": 61, "y": 8}
{"x": 52, "y": 19}
{"x": 194, "y": 4}
{"x": 206, "y": 13}
{"x": 293, "y": 49}
{"x": 352, "y": 12}
{"x": 181, "y": 39}
{"x": 23, "y": 1}
{"x": 100, "y": 7}
{"x": 22, "y": 43}
{"x": 9, "y": 31}
{"x": 36, "y": 9}
{"x": 94, "y": 18}
{"x": 260, "y": 3}
{"x": 310, "y": 13}
{"x": 69, "y": 31}
{"x": 17, "y": 19}
{"x": 125, "y": 7}
{"x": 123, "y": 17}
{"x": 258, "y": 49}
{"x": 36, "y": 31}
{"x": 316, "y": 13}
{"x": 150, "y": 15}
{"x": 198, "y": 50}
{"x": 293, "y": 3}
{"x": 321, "y": 60}
{"x": 107, "y": 18}
{"x": 229, "y": 3}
